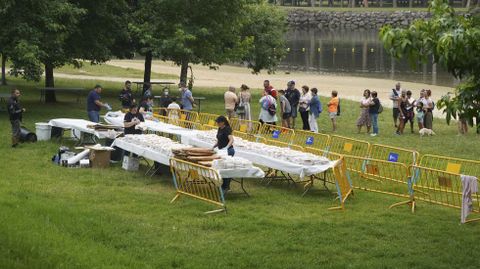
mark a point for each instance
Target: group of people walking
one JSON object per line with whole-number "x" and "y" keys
{"x": 406, "y": 109}
{"x": 285, "y": 105}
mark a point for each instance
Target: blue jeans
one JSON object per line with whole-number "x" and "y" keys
{"x": 94, "y": 116}
{"x": 226, "y": 181}
{"x": 374, "y": 120}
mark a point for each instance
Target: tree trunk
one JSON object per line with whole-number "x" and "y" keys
{"x": 4, "y": 77}
{"x": 147, "y": 73}
{"x": 50, "y": 96}
{"x": 394, "y": 3}
{"x": 184, "y": 71}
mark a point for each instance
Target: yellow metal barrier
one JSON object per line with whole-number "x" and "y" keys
{"x": 311, "y": 139}
{"x": 249, "y": 137}
{"x": 245, "y": 126}
{"x": 393, "y": 154}
{"x": 199, "y": 182}
{"x": 440, "y": 187}
{"x": 453, "y": 165}
{"x": 208, "y": 119}
{"x": 344, "y": 187}
{"x": 278, "y": 133}
{"x": 348, "y": 146}
{"x": 283, "y": 145}
{"x": 161, "y": 111}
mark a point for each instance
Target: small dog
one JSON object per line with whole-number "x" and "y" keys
{"x": 426, "y": 132}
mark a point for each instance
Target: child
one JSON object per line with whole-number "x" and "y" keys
{"x": 333, "y": 109}
{"x": 420, "y": 115}
{"x": 285, "y": 109}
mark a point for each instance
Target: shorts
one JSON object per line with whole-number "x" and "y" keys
{"x": 420, "y": 118}
{"x": 286, "y": 116}
{"x": 396, "y": 112}
{"x": 294, "y": 111}
{"x": 332, "y": 115}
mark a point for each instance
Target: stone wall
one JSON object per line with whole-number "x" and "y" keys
{"x": 352, "y": 20}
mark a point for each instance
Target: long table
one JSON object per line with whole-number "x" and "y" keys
{"x": 160, "y": 157}
{"x": 81, "y": 126}
{"x": 189, "y": 137}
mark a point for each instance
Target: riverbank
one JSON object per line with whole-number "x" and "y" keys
{"x": 349, "y": 87}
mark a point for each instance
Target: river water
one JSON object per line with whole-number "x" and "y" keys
{"x": 354, "y": 52}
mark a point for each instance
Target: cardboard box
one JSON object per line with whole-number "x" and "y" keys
{"x": 130, "y": 163}
{"x": 100, "y": 158}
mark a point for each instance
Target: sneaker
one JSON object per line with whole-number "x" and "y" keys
{"x": 373, "y": 134}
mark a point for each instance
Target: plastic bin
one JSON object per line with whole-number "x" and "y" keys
{"x": 43, "y": 131}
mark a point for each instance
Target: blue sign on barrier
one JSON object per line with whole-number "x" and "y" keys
{"x": 393, "y": 157}
{"x": 276, "y": 134}
{"x": 309, "y": 140}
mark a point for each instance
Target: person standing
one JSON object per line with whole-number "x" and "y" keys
{"x": 148, "y": 91}
{"x": 187, "y": 97}
{"x": 402, "y": 105}
{"x": 428, "y": 106}
{"x": 303, "y": 107}
{"x": 146, "y": 106}
{"x": 373, "y": 111}
{"x": 333, "y": 110}
{"x": 364, "y": 118}
{"x": 285, "y": 108}
{"x": 293, "y": 96}
{"x": 315, "y": 108}
{"x": 224, "y": 141}
{"x": 268, "y": 109}
{"x": 165, "y": 100}
{"x": 270, "y": 89}
{"x": 243, "y": 109}
{"x": 132, "y": 118}
{"x": 94, "y": 104}
{"x": 126, "y": 95}
{"x": 15, "y": 113}
{"x": 394, "y": 96}
{"x": 231, "y": 101}
{"x": 410, "y": 116}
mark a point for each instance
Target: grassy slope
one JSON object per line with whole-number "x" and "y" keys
{"x": 54, "y": 217}
{"x": 105, "y": 70}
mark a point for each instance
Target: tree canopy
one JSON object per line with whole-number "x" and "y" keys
{"x": 453, "y": 40}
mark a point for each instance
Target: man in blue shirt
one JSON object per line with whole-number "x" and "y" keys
{"x": 94, "y": 104}
{"x": 187, "y": 98}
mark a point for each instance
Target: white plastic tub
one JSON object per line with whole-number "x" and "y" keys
{"x": 43, "y": 131}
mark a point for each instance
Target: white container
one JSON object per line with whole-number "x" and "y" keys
{"x": 43, "y": 131}
{"x": 130, "y": 163}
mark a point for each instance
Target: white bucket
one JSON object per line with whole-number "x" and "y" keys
{"x": 43, "y": 131}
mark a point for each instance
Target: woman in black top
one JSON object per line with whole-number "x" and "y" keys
{"x": 402, "y": 105}
{"x": 132, "y": 119}
{"x": 225, "y": 141}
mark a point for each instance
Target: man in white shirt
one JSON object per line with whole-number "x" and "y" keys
{"x": 394, "y": 96}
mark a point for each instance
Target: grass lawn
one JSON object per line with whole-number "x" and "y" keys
{"x": 55, "y": 217}
{"x": 105, "y": 70}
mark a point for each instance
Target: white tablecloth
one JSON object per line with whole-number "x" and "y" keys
{"x": 162, "y": 158}
{"x": 116, "y": 118}
{"x": 79, "y": 125}
{"x": 189, "y": 137}
{"x": 267, "y": 161}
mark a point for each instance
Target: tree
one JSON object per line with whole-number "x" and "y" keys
{"x": 454, "y": 42}
{"x": 218, "y": 32}
{"x": 52, "y": 33}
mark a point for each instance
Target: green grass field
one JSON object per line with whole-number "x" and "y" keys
{"x": 105, "y": 70}
{"x": 55, "y": 217}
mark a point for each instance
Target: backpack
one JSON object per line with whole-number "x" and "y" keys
{"x": 271, "y": 108}
{"x": 380, "y": 108}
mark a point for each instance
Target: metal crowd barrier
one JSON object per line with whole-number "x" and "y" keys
{"x": 442, "y": 188}
{"x": 393, "y": 154}
{"x": 245, "y": 126}
{"x": 199, "y": 182}
{"x": 449, "y": 164}
{"x": 278, "y": 133}
{"x": 311, "y": 139}
{"x": 348, "y": 146}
